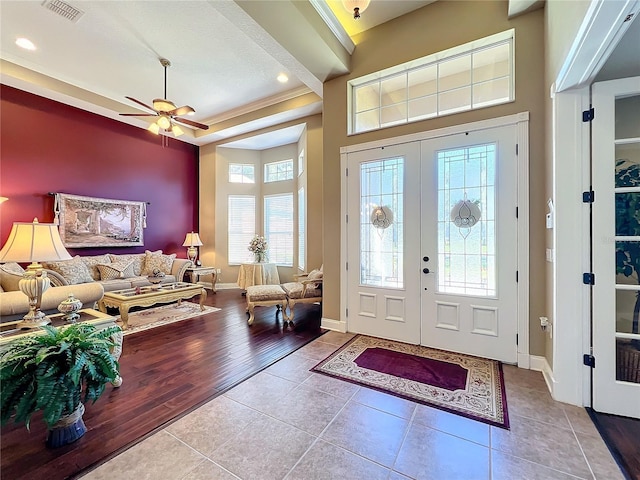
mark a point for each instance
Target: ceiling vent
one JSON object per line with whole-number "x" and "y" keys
{"x": 63, "y": 9}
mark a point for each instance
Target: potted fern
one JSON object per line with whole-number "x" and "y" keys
{"x": 55, "y": 371}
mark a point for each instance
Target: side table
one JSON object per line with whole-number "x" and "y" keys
{"x": 196, "y": 272}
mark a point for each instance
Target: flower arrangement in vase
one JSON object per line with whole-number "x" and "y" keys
{"x": 259, "y": 247}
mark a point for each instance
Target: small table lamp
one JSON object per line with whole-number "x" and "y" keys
{"x": 34, "y": 242}
{"x": 192, "y": 240}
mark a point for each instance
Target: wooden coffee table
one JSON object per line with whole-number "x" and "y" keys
{"x": 148, "y": 296}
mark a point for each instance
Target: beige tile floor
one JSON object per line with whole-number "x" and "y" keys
{"x": 289, "y": 423}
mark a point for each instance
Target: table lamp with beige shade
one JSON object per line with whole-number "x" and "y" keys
{"x": 192, "y": 240}
{"x": 34, "y": 242}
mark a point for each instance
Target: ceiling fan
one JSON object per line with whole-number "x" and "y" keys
{"x": 168, "y": 114}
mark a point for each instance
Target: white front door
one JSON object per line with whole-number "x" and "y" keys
{"x": 415, "y": 272}
{"x": 616, "y": 246}
{"x": 383, "y": 241}
{"x": 469, "y": 243}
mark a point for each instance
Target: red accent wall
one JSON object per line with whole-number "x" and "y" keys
{"x": 46, "y": 146}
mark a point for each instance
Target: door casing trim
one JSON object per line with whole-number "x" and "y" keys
{"x": 521, "y": 121}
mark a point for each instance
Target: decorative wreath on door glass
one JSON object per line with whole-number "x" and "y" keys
{"x": 381, "y": 217}
{"x": 465, "y": 214}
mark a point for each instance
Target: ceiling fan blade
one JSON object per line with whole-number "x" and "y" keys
{"x": 191, "y": 123}
{"x": 139, "y": 114}
{"x": 178, "y": 112}
{"x": 140, "y": 103}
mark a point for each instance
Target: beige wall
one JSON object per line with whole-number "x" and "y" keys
{"x": 213, "y": 192}
{"x": 562, "y": 21}
{"x": 433, "y": 28}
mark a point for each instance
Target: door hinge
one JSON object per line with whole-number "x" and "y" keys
{"x": 517, "y": 276}
{"x": 517, "y": 339}
{"x": 516, "y": 212}
{"x": 589, "y": 278}
{"x": 588, "y": 115}
{"x": 347, "y": 172}
{"x": 588, "y": 197}
{"x": 516, "y": 149}
{"x": 589, "y": 360}
{"x": 347, "y": 265}
{"x": 347, "y": 311}
{"x": 346, "y": 217}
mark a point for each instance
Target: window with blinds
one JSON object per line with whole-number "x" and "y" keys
{"x": 301, "y": 229}
{"x": 278, "y": 228}
{"x": 241, "y": 227}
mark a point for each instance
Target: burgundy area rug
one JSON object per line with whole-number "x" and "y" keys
{"x": 460, "y": 384}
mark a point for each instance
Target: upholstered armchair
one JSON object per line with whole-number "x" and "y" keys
{"x": 306, "y": 289}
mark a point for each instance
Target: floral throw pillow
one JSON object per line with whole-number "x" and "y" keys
{"x": 92, "y": 264}
{"x": 314, "y": 275}
{"x": 136, "y": 258}
{"x": 111, "y": 271}
{"x": 157, "y": 261}
{"x": 74, "y": 271}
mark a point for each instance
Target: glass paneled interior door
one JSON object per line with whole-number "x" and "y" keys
{"x": 383, "y": 237}
{"x": 616, "y": 246}
{"x": 469, "y": 243}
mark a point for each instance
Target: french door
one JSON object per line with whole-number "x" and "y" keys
{"x": 469, "y": 243}
{"x": 432, "y": 243}
{"x": 383, "y": 241}
{"x": 616, "y": 246}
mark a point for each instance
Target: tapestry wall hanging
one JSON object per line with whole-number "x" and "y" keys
{"x": 99, "y": 222}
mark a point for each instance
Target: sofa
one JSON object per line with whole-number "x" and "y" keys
{"x": 88, "y": 277}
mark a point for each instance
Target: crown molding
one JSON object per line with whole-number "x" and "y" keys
{"x": 265, "y": 102}
{"x": 323, "y": 9}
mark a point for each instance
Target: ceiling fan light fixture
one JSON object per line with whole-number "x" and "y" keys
{"x": 176, "y": 130}
{"x": 154, "y": 128}
{"x": 356, "y": 7}
{"x": 164, "y": 122}
{"x": 162, "y": 105}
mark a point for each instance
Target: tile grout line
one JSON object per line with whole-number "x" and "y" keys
{"x": 575, "y": 435}
{"x": 204, "y": 459}
{"x": 404, "y": 438}
{"x": 317, "y": 437}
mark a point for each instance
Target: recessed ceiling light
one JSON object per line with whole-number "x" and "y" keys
{"x": 282, "y": 78}
{"x": 25, "y": 43}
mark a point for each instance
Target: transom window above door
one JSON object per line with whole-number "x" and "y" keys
{"x": 474, "y": 75}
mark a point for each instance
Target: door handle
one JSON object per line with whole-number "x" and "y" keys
{"x": 425, "y": 270}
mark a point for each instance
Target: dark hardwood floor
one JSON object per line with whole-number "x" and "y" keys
{"x": 168, "y": 371}
{"x": 622, "y": 436}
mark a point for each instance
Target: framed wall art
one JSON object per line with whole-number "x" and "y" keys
{"x": 99, "y": 222}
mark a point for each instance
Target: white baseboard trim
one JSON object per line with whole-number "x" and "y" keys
{"x": 336, "y": 325}
{"x": 540, "y": 364}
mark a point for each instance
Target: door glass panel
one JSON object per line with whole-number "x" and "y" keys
{"x": 466, "y": 223}
{"x": 382, "y": 223}
{"x": 628, "y": 360}
{"x": 627, "y": 224}
{"x": 627, "y": 124}
{"x": 625, "y": 307}
{"x": 628, "y": 214}
{"x": 627, "y": 165}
